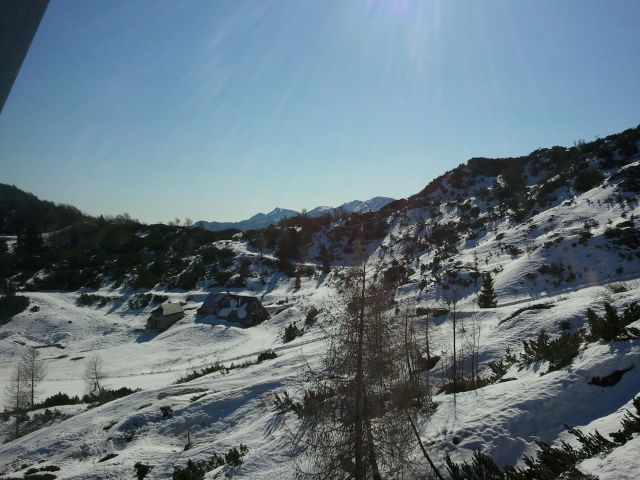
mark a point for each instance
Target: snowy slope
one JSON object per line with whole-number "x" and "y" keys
{"x": 502, "y": 419}
{"x": 373, "y": 204}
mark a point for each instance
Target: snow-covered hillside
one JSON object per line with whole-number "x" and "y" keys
{"x": 565, "y": 242}
{"x": 373, "y": 204}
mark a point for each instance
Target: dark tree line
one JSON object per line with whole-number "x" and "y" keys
{"x": 20, "y": 211}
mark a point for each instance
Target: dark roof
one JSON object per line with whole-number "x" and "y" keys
{"x": 213, "y": 299}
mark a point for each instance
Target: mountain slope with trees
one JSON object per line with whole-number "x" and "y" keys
{"x": 21, "y": 211}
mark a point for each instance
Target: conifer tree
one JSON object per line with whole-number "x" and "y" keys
{"x": 283, "y": 254}
{"x": 29, "y": 241}
{"x": 325, "y": 257}
{"x": 487, "y": 296}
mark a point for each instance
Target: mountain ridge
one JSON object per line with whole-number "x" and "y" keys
{"x": 20, "y": 210}
{"x": 263, "y": 220}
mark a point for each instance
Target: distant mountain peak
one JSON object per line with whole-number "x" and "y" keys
{"x": 263, "y": 220}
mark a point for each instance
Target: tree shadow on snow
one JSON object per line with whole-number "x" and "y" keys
{"x": 272, "y": 284}
{"x": 147, "y": 336}
{"x": 321, "y": 279}
{"x": 274, "y": 424}
{"x": 622, "y": 348}
{"x": 214, "y": 321}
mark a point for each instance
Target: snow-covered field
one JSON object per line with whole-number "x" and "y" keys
{"x": 223, "y": 410}
{"x": 231, "y": 408}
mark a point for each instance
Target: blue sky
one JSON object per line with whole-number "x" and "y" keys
{"x": 221, "y": 109}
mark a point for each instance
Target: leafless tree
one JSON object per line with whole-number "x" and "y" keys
{"x": 427, "y": 330}
{"x": 409, "y": 345}
{"x": 363, "y": 431}
{"x": 427, "y": 321}
{"x": 452, "y": 302}
{"x": 94, "y": 374}
{"x": 260, "y": 242}
{"x": 189, "y": 443}
{"x": 34, "y": 372}
{"x": 477, "y": 331}
{"x": 17, "y": 395}
{"x": 473, "y": 347}
{"x": 462, "y": 346}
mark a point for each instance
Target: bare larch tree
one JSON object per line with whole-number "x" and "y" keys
{"x": 94, "y": 374}
{"x": 363, "y": 430}
{"x": 34, "y": 372}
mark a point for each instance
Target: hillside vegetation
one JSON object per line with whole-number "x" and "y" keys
{"x": 21, "y": 211}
